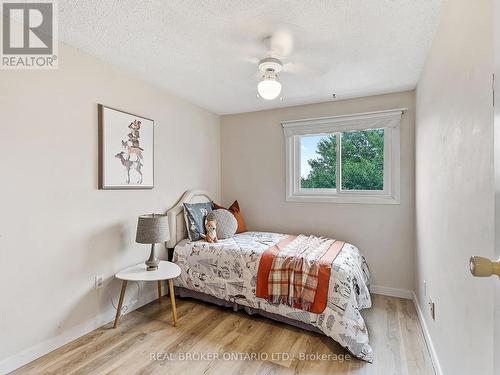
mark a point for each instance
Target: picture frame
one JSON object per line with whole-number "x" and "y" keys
{"x": 126, "y": 150}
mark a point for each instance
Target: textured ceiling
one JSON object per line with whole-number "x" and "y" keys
{"x": 205, "y": 51}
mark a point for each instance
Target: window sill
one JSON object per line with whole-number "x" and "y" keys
{"x": 345, "y": 198}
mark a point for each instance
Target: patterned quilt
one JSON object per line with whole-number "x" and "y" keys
{"x": 228, "y": 270}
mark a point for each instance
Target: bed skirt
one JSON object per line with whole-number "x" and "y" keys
{"x": 187, "y": 293}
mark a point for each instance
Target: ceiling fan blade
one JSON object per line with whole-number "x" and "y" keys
{"x": 310, "y": 62}
{"x": 295, "y": 67}
{"x": 281, "y": 43}
{"x": 251, "y": 60}
{"x": 302, "y": 69}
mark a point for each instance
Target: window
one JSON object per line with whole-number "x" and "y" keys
{"x": 349, "y": 159}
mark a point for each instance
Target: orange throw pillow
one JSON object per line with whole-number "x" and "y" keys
{"x": 235, "y": 210}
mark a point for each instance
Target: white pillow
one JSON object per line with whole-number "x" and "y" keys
{"x": 226, "y": 223}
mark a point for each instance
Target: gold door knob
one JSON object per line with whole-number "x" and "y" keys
{"x": 483, "y": 267}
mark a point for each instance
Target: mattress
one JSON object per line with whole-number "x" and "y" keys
{"x": 228, "y": 269}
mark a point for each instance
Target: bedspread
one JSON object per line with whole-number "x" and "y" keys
{"x": 228, "y": 270}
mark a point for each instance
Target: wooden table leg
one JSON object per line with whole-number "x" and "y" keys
{"x": 172, "y": 300}
{"x": 120, "y": 303}
{"x": 159, "y": 291}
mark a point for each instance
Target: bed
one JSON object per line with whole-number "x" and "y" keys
{"x": 225, "y": 273}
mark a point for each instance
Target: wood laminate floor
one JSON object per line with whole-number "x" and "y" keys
{"x": 395, "y": 335}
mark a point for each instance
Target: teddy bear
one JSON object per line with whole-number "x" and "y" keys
{"x": 211, "y": 229}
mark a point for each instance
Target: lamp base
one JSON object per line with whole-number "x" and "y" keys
{"x": 153, "y": 261}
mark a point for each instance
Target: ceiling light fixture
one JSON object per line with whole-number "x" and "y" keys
{"x": 269, "y": 87}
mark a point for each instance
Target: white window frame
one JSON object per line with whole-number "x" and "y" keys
{"x": 389, "y": 120}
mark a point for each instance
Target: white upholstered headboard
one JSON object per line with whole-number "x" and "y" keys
{"x": 176, "y": 223}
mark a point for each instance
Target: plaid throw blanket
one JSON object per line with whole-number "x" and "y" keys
{"x": 293, "y": 277}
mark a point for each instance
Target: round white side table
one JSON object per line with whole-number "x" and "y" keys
{"x": 166, "y": 271}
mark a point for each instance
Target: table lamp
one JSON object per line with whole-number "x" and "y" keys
{"x": 152, "y": 229}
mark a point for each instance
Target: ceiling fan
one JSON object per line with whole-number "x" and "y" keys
{"x": 279, "y": 46}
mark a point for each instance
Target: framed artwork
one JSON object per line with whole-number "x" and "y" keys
{"x": 126, "y": 150}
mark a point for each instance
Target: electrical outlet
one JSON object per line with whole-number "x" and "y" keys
{"x": 98, "y": 281}
{"x": 432, "y": 307}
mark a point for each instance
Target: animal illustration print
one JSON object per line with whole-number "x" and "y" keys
{"x": 131, "y": 156}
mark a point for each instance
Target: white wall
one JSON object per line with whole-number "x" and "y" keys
{"x": 56, "y": 229}
{"x": 253, "y": 171}
{"x": 454, "y": 186}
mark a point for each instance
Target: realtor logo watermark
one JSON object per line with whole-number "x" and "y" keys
{"x": 243, "y": 356}
{"x": 29, "y": 34}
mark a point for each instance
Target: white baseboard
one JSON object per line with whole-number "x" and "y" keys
{"x": 408, "y": 294}
{"x": 391, "y": 292}
{"x": 26, "y": 356}
{"x": 427, "y": 337}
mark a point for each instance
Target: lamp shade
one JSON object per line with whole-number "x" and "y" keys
{"x": 152, "y": 229}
